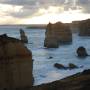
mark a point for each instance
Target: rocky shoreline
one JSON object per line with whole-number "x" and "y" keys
{"x": 79, "y": 81}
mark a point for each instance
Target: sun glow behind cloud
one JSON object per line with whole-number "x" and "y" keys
{"x": 54, "y": 14}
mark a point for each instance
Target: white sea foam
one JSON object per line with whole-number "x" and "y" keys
{"x": 43, "y": 69}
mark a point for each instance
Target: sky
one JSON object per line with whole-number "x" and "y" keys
{"x": 43, "y": 11}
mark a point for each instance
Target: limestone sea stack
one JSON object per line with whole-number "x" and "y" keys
{"x": 84, "y": 28}
{"x": 57, "y": 34}
{"x": 15, "y": 64}
{"x": 23, "y": 36}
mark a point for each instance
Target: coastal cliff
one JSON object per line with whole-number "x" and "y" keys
{"x": 15, "y": 64}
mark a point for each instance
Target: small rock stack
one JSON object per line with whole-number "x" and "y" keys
{"x": 24, "y": 38}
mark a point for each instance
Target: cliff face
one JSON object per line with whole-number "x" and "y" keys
{"x": 15, "y": 64}
{"x": 84, "y": 28}
{"x": 56, "y": 34}
{"x": 79, "y": 81}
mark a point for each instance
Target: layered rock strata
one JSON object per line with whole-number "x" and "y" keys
{"x": 57, "y": 34}
{"x": 15, "y": 64}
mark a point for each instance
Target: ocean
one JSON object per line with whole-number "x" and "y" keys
{"x": 43, "y": 67}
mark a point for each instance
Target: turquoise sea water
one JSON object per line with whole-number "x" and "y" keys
{"x": 43, "y": 69}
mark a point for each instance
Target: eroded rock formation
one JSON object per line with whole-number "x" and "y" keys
{"x": 15, "y": 64}
{"x": 84, "y": 28}
{"x": 24, "y": 38}
{"x": 56, "y": 34}
{"x": 81, "y": 52}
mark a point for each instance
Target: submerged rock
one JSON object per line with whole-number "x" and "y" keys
{"x": 15, "y": 64}
{"x": 59, "y": 66}
{"x": 81, "y": 52}
{"x": 72, "y": 66}
{"x": 24, "y": 38}
{"x": 57, "y": 34}
{"x": 50, "y": 57}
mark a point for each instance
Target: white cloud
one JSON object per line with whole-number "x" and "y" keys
{"x": 6, "y": 9}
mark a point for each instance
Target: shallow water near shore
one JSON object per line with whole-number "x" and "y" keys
{"x": 43, "y": 69}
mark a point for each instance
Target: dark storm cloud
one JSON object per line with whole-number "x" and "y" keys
{"x": 30, "y": 7}
{"x": 30, "y": 2}
{"x": 18, "y": 2}
{"x": 85, "y": 4}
